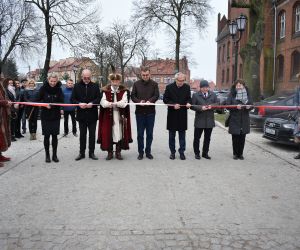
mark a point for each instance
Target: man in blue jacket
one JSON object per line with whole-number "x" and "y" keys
{"x": 69, "y": 111}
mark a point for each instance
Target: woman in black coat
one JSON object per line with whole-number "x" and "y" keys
{"x": 51, "y": 92}
{"x": 239, "y": 121}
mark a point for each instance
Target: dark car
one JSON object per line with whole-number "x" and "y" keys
{"x": 258, "y": 115}
{"x": 281, "y": 128}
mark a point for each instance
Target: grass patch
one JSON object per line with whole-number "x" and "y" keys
{"x": 220, "y": 117}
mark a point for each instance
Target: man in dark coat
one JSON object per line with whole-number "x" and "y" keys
{"x": 145, "y": 91}
{"x": 86, "y": 93}
{"x": 178, "y": 94}
{"x": 204, "y": 118}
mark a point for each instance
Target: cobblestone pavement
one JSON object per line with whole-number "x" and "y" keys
{"x": 150, "y": 204}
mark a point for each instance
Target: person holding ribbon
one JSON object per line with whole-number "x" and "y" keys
{"x": 5, "y": 134}
{"x": 239, "y": 121}
{"x": 87, "y": 95}
{"x": 204, "y": 118}
{"x": 145, "y": 91}
{"x": 178, "y": 98}
{"x": 297, "y": 124}
{"x": 51, "y": 92}
{"x": 114, "y": 118}
{"x": 31, "y": 95}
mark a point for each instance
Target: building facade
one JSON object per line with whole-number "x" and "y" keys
{"x": 279, "y": 59}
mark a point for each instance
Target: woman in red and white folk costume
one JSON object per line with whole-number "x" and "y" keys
{"x": 114, "y": 118}
{"x": 5, "y": 136}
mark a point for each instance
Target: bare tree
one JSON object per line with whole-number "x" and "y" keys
{"x": 174, "y": 14}
{"x": 63, "y": 19}
{"x": 18, "y": 31}
{"x": 126, "y": 43}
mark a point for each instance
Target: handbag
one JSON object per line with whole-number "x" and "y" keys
{"x": 227, "y": 120}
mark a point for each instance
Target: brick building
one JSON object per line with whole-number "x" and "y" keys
{"x": 281, "y": 21}
{"x": 163, "y": 70}
{"x": 226, "y": 49}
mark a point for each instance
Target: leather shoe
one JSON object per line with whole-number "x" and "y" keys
{"x": 241, "y": 157}
{"x": 92, "y": 156}
{"x": 235, "y": 157}
{"x": 172, "y": 156}
{"x": 79, "y": 157}
{"x": 206, "y": 156}
{"x": 197, "y": 157}
{"x": 54, "y": 158}
{"x": 140, "y": 157}
{"x": 182, "y": 157}
{"x": 297, "y": 157}
{"x": 75, "y": 134}
{"x": 3, "y": 158}
{"x": 149, "y": 156}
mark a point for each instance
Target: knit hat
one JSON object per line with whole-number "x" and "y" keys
{"x": 204, "y": 84}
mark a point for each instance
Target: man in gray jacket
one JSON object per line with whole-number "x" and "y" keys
{"x": 204, "y": 118}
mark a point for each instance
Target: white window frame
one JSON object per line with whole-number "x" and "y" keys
{"x": 282, "y": 25}
{"x": 297, "y": 18}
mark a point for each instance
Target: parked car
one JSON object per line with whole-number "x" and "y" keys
{"x": 258, "y": 115}
{"x": 281, "y": 128}
{"x": 222, "y": 96}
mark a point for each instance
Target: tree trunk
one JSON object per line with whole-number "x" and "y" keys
{"x": 177, "y": 49}
{"x": 49, "y": 34}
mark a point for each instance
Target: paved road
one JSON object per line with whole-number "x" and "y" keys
{"x": 151, "y": 204}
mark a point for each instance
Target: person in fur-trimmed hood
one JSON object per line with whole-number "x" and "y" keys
{"x": 114, "y": 118}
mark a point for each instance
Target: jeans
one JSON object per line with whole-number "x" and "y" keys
{"x": 83, "y": 127}
{"x": 172, "y": 135}
{"x": 66, "y": 121}
{"x": 145, "y": 122}
{"x": 32, "y": 120}
{"x": 197, "y": 135}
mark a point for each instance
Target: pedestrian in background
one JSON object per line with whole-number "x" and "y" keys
{"x": 51, "y": 92}
{"x": 19, "y": 98}
{"x": 31, "y": 94}
{"x": 86, "y": 93}
{"x": 69, "y": 111}
{"x": 145, "y": 91}
{"x": 23, "y": 119}
{"x": 239, "y": 121}
{"x": 204, "y": 118}
{"x": 179, "y": 95}
{"x": 9, "y": 87}
{"x": 297, "y": 124}
{"x": 5, "y": 134}
{"x": 114, "y": 118}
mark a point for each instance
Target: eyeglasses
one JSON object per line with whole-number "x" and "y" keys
{"x": 145, "y": 75}
{"x": 86, "y": 78}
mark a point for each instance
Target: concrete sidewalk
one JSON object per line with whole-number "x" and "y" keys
{"x": 149, "y": 204}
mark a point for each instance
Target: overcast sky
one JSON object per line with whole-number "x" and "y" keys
{"x": 201, "y": 48}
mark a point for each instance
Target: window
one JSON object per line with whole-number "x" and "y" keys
{"x": 223, "y": 76}
{"x": 297, "y": 17}
{"x": 295, "y": 64}
{"x": 280, "y": 67}
{"x": 282, "y": 24}
{"x": 228, "y": 50}
{"x": 227, "y": 75}
{"x": 219, "y": 54}
{"x": 223, "y": 55}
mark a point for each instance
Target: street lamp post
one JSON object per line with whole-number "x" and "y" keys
{"x": 75, "y": 69}
{"x": 236, "y": 29}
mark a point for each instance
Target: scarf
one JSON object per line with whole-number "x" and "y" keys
{"x": 11, "y": 89}
{"x": 241, "y": 95}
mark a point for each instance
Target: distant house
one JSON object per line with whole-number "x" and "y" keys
{"x": 163, "y": 70}
{"x": 72, "y": 68}
{"x": 34, "y": 74}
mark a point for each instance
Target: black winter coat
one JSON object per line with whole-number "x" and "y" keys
{"x": 177, "y": 119}
{"x": 204, "y": 118}
{"x": 86, "y": 93}
{"x": 48, "y": 94}
{"x": 239, "y": 122}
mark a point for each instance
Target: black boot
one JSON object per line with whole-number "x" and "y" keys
{"x": 46, "y": 146}
{"x": 54, "y": 147}
{"x": 47, "y": 156}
